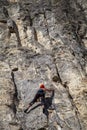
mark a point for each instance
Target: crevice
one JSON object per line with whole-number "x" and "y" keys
{"x": 35, "y": 34}
{"x": 46, "y": 22}
{"x": 15, "y": 69}
{"x": 72, "y": 102}
{"x": 15, "y": 96}
{"x": 3, "y": 21}
{"x": 70, "y": 96}
{"x": 42, "y": 128}
{"x": 58, "y": 74}
{"x": 30, "y": 19}
{"x": 31, "y": 23}
{"x": 46, "y": 25}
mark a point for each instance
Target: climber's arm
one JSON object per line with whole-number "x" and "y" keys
{"x": 49, "y": 90}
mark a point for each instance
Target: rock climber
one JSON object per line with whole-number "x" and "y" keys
{"x": 40, "y": 95}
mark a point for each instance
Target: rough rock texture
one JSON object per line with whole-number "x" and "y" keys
{"x": 53, "y": 35}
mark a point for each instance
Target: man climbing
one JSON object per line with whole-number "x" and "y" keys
{"x": 39, "y": 95}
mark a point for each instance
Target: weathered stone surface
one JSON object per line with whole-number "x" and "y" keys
{"x": 53, "y": 35}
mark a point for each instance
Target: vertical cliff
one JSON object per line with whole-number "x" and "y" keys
{"x": 53, "y": 34}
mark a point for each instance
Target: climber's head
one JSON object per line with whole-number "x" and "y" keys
{"x": 42, "y": 85}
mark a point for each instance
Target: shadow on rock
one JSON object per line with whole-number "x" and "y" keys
{"x": 47, "y": 105}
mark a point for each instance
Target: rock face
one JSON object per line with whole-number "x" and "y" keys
{"x": 53, "y": 35}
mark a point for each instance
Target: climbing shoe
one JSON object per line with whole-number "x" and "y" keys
{"x": 25, "y": 111}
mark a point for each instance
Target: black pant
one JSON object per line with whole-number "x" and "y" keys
{"x": 37, "y": 96}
